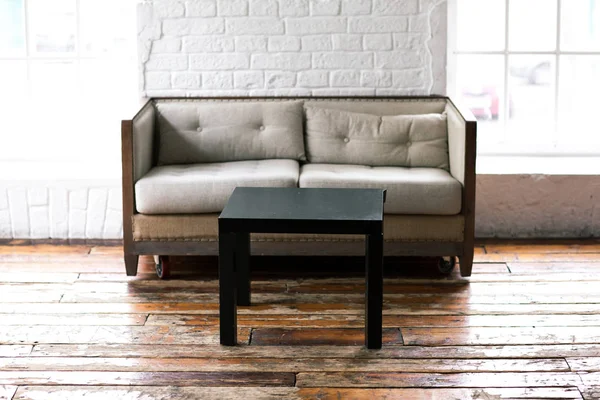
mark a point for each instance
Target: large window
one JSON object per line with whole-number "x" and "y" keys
{"x": 67, "y": 72}
{"x": 530, "y": 72}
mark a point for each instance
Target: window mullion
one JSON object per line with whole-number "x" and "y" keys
{"x": 506, "y": 102}
{"x": 556, "y": 132}
{"x": 517, "y": 52}
{"x": 28, "y": 42}
{"x": 77, "y": 30}
{"x": 78, "y": 46}
{"x": 451, "y": 76}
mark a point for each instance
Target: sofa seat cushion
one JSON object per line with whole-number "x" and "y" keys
{"x": 427, "y": 191}
{"x": 205, "y": 188}
{"x": 342, "y": 137}
{"x": 210, "y": 132}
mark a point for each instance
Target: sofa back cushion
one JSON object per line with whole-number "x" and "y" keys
{"x": 342, "y": 137}
{"x": 380, "y": 105}
{"x": 205, "y": 132}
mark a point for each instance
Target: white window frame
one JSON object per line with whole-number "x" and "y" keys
{"x": 29, "y": 56}
{"x": 503, "y": 148}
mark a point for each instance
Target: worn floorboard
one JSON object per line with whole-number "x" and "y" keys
{"x": 313, "y": 337}
{"x": 158, "y": 335}
{"x": 162, "y": 378}
{"x": 389, "y": 321}
{"x": 525, "y": 325}
{"x": 31, "y": 320}
{"x": 324, "y": 351}
{"x": 246, "y": 364}
{"x": 435, "y": 394}
{"x": 193, "y": 393}
{"x": 162, "y": 392}
{"x": 433, "y": 380}
{"x": 7, "y": 391}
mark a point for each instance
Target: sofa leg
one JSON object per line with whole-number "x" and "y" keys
{"x": 466, "y": 262}
{"x": 131, "y": 264}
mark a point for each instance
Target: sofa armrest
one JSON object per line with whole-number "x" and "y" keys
{"x": 137, "y": 142}
{"x": 462, "y": 132}
{"x": 143, "y": 140}
{"x": 462, "y": 149}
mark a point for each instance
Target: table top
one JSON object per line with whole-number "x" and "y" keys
{"x": 317, "y": 204}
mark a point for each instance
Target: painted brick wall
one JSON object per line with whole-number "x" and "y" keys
{"x": 71, "y": 210}
{"x": 292, "y": 47}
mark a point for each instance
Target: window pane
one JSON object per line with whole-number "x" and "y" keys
{"x": 531, "y": 92}
{"x": 101, "y": 79}
{"x": 532, "y": 25}
{"x": 109, "y": 85}
{"x": 52, "y": 26}
{"x": 12, "y": 29}
{"x": 480, "y": 81}
{"x": 13, "y": 81}
{"x": 480, "y": 25}
{"x": 98, "y": 37}
{"x": 579, "y": 85}
{"x": 15, "y": 110}
{"x": 580, "y": 25}
{"x": 55, "y": 101}
{"x": 55, "y": 81}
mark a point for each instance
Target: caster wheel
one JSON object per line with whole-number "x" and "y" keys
{"x": 446, "y": 264}
{"x": 163, "y": 267}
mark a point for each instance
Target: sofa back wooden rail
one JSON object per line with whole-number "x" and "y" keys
{"x": 196, "y": 233}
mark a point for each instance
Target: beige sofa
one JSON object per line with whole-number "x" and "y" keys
{"x": 182, "y": 158}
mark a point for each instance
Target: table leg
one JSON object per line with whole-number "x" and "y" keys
{"x": 242, "y": 268}
{"x": 227, "y": 290}
{"x": 374, "y": 292}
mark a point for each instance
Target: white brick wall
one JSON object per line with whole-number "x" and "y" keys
{"x": 287, "y": 47}
{"x": 67, "y": 210}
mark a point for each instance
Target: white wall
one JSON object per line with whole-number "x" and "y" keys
{"x": 538, "y": 206}
{"x": 292, "y": 47}
{"x": 73, "y": 210}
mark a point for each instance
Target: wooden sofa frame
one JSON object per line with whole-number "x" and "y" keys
{"x": 462, "y": 249}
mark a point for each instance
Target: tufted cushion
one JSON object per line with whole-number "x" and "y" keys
{"x": 205, "y": 188}
{"x": 221, "y": 131}
{"x": 341, "y": 137}
{"x": 429, "y": 191}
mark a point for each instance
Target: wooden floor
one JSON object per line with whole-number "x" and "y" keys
{"x": 526, "y": 325}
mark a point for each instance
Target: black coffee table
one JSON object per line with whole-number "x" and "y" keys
{"x": 293, "y": 210}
